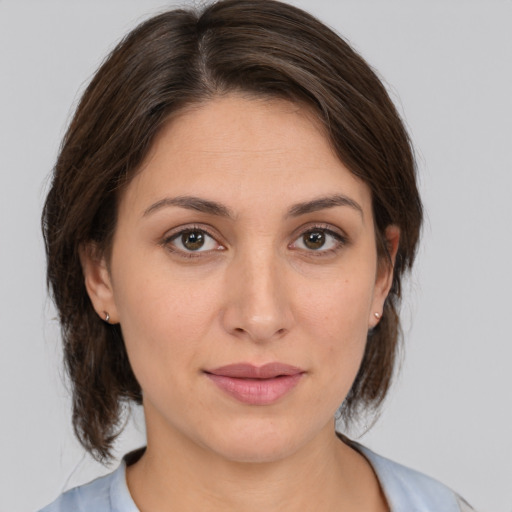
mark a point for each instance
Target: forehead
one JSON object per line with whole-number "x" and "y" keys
{"x": 245, "y": 149}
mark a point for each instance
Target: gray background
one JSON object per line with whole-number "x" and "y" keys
{"x": 448, "y": 66}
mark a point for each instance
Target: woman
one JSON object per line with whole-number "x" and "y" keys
{"x": 230, "y": 217}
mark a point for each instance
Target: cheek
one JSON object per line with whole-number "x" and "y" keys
{"x": 339, "y": 306}
{"x": 163, "y": 317}
{"x": 337, "y": 319}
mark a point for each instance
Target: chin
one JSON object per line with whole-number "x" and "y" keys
{"x": 258, "y": 442}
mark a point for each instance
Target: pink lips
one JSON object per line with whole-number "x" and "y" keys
{"x": 256, "y": 385}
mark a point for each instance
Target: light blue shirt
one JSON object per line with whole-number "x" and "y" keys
{"x": 406, "y": 490}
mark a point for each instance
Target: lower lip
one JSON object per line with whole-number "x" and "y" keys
{"x": 256, "y": 391}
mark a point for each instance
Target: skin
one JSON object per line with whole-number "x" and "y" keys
{"x": 255, "y": 292}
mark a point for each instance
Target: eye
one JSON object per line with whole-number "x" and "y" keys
{"x": 319, "y": 240}
{"x": 192, "y": 240}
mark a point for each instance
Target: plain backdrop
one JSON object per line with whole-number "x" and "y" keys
{"x": 448, "y": 65}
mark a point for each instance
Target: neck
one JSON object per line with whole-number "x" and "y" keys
{"x": 324, "y": 475}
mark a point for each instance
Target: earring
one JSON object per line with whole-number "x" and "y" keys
{"x": 107, "y": 317}
{"x": 376, "y": 315}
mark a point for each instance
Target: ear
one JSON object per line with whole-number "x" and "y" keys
{"x": 98, "y": 282}
{"x": 384, "y": 277}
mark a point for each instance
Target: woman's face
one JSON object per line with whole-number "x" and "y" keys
{"x": 244, "y": 276}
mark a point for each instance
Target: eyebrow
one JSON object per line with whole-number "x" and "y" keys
{"x": 323, "y": 203}
{"x": 218, "y": 209}
{"x": 191, "y": 203}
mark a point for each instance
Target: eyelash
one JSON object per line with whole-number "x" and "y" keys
{"x": 340, "y": 241}
{"x": 167, "y": 242}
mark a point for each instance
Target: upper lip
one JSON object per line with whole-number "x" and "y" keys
{"x": 250, "y": 371}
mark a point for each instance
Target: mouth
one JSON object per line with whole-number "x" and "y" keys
{"x": 256, "y": 385}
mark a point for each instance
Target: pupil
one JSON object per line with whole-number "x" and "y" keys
{"x": 193, "y": 240}
{"x": 314, "y": 240}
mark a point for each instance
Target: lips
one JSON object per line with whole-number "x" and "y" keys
{"x": 256, "y": 385}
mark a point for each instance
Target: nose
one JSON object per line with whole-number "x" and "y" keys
{"x": 257, "y": 306}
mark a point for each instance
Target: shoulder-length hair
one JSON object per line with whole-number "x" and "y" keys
{"x": 184, "y": 57}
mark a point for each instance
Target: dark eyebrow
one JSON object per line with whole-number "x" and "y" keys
{"x": 191, "y": 203}
{"x": 322, "y": 203}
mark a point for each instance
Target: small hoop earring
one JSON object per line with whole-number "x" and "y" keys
{"x": 107, "y": 317}
{"x": 376, "y": 315}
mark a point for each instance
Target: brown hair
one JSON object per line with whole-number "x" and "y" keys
{"x": 184, "y": 57}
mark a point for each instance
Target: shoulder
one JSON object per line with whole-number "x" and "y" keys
{"x": 108, "y": 493}
{"x": 91, "y": 496}
{"x": 408, "y": 490}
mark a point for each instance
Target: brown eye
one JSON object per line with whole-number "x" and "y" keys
{"x": 319, "y": 240}
{"x": 314, "y": 239}
{"x": 193, "y": 240}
